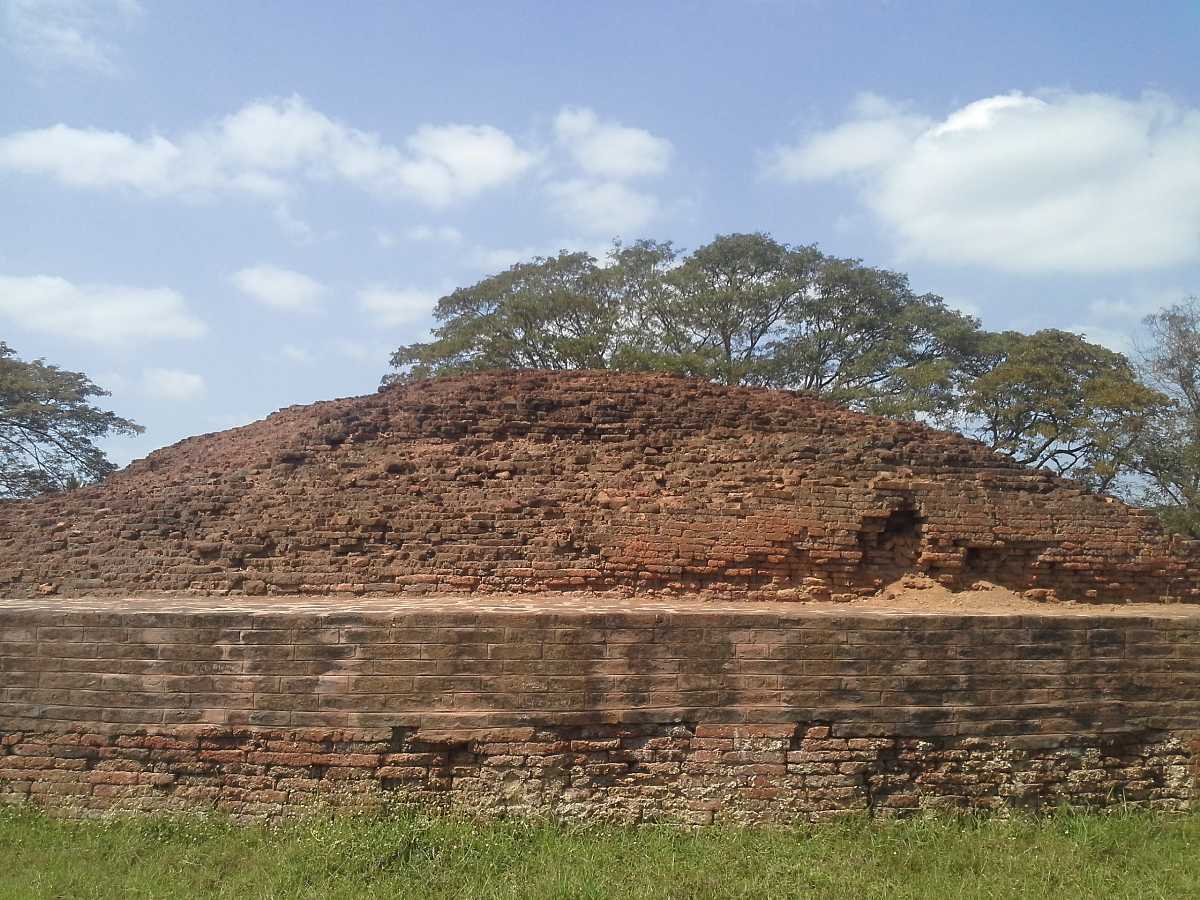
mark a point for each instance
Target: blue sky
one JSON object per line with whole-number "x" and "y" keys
{"x": 219, "y": 209}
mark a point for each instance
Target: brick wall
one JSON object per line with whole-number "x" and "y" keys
{"x": 628, "y": 712}
{"x": 534, "y": 481}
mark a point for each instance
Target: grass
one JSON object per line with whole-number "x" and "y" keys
{"x": 1124, "y": 854}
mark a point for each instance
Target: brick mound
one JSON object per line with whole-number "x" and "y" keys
{"x": 533, "y": 481}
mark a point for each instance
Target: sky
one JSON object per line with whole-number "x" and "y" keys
{"x": 220, "y": 209}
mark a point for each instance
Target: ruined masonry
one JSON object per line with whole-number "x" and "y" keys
{"x": 530, "y": 482}
{"x": 594, "y": 596}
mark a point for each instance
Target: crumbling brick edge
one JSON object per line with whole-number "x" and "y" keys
{"x": 684, "y": 773}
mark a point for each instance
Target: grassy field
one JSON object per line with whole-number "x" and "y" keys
{"x": 411, "y": 855}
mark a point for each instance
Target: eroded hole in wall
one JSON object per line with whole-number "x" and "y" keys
{"x": 890, "y": 543}
{"x": 1011, "y": 565}
{"x": 982, "y": 561}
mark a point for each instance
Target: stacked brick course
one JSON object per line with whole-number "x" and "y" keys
{"x": 625, "y": 712}
{"x": 534, "y": 481}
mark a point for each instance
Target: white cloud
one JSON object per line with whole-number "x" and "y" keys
{"x": 608, "y": 149}
{"x": 1116, "y": 322}
{"x": 279, "y": 288}
{"x": 847, "y": 149}
{"x": 1060, "y": 182}
{"x": 91, "y": 158}
{"x": 606, "y": 155}
{"x": 68, "y": 33}
{"x": 103, "y": 314}
{"x": 172, "y": 384}
{"x": 607, "y": 207}
{"x": 451, "y": 162}
{"x": 395, "y": 307}
{"x": 263, "y": 148}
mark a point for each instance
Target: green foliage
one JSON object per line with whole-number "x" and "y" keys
{"x": 717, "y": 313}
{"x": 743, "y": 309}
{"x": 862, "y": 337}
{"x": 1054, "y": 400}
{"x": 48, "y": 426}
{"x": 562, "y": 312}
{"x": 1168, "y": 457}
{"x": 1064, "y": 855}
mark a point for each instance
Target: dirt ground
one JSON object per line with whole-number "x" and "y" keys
{"x": 919, "y": 593}
{"x": 911, "y": 594}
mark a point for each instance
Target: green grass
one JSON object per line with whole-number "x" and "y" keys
{"x": 412, "y": 855}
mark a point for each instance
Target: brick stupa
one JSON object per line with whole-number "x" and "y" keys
{"x": 526, "y": 482}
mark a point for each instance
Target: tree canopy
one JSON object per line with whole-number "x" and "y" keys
{"x": 743, "y": 309}
{"x": 49, "y": 426}
{"x": 1053, "y": 400}
{"x": 1167, "y": 458}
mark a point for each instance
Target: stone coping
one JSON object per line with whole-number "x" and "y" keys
{"x": 569, "y": 605}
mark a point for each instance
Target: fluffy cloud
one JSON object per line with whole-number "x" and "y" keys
{"x": 68, "y": 33}
{"x": 608, "y": 207}
{"x": 279, "y": 288}
{"x": 450, "y": 162}
{"x": 1061, "y": 182}
{"x": 265, "y": 146}
{"x": 396, "y": 307}
{"x": 1116, "y": 322}
{"x": 606, "y": 155}
{"x": 269, "y": 147}
{"x": 608, "y": 149}
{"x": 103, "y": 314}
{"x": 878, "y": 131}
{"x": 97, "y": 159}
{"x": 172, "y": 384}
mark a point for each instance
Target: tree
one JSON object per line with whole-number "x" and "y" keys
{"x": 1053, "y": 400}
{"x": 48, "y": 426}
{"x": 862, "y": 337}
{"x": 716, "y": 315}
{"x": 1168, "y": 456}
{"x": 743, "y": 309}
{"x": 560, "y": 312}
